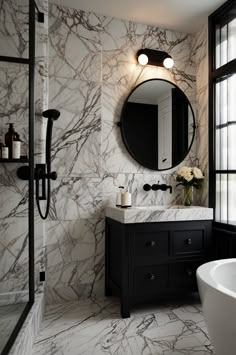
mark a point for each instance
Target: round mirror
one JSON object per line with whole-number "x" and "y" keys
{"x": 157, "y": 124}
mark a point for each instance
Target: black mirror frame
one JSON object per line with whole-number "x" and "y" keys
{"x": 120, "y": 124}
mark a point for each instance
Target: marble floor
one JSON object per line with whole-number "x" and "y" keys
{"x": 95, "y": 327}
{"x": 9, "y": 316}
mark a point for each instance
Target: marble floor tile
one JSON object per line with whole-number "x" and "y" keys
{"x": 95, "y": 327}
{"x": 9, "y": 316}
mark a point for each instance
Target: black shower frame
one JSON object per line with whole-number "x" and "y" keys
{"x": 31, "y": 62}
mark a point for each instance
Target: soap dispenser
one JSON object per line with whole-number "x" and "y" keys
{"x": 126, "y": 199}
{"x": 118, "y": 196}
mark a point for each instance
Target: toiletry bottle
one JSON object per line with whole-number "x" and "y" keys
{"x": 9, "y": 137}
{"x": 1, "y": 145}
{"x": 126, "y": 199}
{"x": 118, "y": 196}
{"x": 5, "y": 152}
{"x": 16, "y": 147}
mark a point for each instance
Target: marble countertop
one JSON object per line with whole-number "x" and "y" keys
{"x": 147, "y": 214}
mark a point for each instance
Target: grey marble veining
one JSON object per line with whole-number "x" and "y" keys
{"x": 75, "y": 253}
{"x": 95, "y": 327}
{"x": 75, "y": 45}
{"x": 161, "y": 213}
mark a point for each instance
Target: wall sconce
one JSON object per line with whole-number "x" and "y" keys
{"x": 154, "y": 57}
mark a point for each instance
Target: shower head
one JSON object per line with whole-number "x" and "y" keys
{"x": 51, "y": 114}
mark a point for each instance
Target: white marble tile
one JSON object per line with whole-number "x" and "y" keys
{"x": 77, "y": 132}
{"x": 75, "y": 95}
{"x": 25, "y": 339}
{"x": 9, "y": 316}
{"x": 14, "y": 38}
{"x": 14, "y": 254}
{"x": 75, "y": 49}
{"x": 75, "y": 197}
{"x": 15, "y": 11}
{"x": 15, "y": 192}
{"x": 200, "y": 45}
{"x": 95, "y": 327}
{"x": 75, "y": 256}
{"x": 135, "y": 183}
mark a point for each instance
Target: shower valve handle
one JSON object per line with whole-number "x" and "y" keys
{"x": 52, "y": 175}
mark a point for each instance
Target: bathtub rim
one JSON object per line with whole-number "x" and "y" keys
{"x": 206, "y": 271}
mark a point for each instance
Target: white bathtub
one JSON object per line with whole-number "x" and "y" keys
{"x": 217, "y": 289}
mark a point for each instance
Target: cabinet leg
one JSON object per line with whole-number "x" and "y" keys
{"x": 124, "y": 310}
{"x": 108, "y": 291}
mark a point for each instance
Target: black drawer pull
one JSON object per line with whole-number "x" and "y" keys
{"x": 151, "y": 243}
{"x": 151, "y": 277}
{"x": 189, "y": 272}
{"x": 189, "y": 241}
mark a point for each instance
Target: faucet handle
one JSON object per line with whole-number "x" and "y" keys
{"x": 155, "y": 187}
{"x": 147, "y": 187}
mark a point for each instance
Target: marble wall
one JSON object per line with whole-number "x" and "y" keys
{"x": 92, "y": 68}
{"x": 201, "y": 55}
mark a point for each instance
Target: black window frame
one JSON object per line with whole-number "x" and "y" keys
{"x": 215, "y": 74}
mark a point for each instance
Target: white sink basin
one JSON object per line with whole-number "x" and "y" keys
{"x": 159, "y": 213}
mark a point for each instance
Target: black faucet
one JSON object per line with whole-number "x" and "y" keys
{"x": 155, "y": 187}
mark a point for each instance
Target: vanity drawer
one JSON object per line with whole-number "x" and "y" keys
{"x": 150, "y": 247}
{"x": 150, "y": 279}
{"x": 188, "y": 241}
{"x": 183, "y": 275}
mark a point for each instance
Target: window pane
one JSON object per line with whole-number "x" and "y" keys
{"x": 232, "y": 40}
{"x": 225, "y": 138}
{"x": 225, "y": 39}
{"x": 225, "y": 211}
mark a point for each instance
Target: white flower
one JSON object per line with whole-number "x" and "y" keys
{"x": 184, "y": 171}
{"x": 188, "y": 177}
{"x": 197, "y": 173}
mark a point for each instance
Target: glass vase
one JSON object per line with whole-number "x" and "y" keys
{"x": 188, "y": 195}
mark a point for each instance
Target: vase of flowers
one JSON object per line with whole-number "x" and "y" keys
{"x": 189, "y": 178}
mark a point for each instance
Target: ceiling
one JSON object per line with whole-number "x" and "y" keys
{"x": 181, "y": 15}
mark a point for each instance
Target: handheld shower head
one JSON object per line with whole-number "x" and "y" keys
{"x": 51, "y": 114}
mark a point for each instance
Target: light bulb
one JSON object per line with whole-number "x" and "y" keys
{"x": 143, "y": 59}
{"x": 168, "y": 63}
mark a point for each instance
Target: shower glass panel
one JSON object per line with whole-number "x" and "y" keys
{"x": 15, "y": 300}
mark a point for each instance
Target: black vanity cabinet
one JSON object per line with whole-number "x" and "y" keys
{"x": 147, "y": 260}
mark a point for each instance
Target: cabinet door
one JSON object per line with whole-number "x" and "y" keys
{"x": 150, "y": 247}
{"x": 188, "y": 241}
{"x": 183, "y": 274}
{"x": 149, "y": 281}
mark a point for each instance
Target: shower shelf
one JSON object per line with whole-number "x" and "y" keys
{"x": 23, "y": 160}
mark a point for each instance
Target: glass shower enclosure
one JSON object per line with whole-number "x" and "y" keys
{"x": 17, "y": 62}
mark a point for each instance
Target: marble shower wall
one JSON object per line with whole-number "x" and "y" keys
{"x": 92, "y": 68}
{"x": 14, "y": 108}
